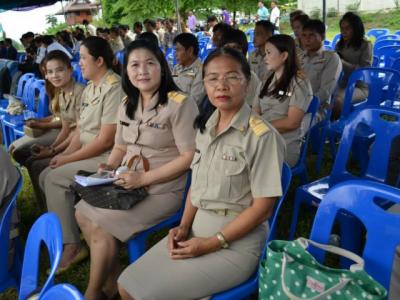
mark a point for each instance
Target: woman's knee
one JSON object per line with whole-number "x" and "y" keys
{"x": 81, "y": 219}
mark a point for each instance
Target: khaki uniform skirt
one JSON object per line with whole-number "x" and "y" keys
{"x": 123, "y": 224}
{"x": 156, "y": 276}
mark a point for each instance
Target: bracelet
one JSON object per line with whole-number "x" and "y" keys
{"x": 222, "y": 240}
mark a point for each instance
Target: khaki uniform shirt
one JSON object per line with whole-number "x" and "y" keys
{"x": 258, "y": 66}
{"x": 8, "y": 175}
{"x": 99, "y": 106}
{"x": 190, "y": 81}
{"x": 70, "y": 104}
{"x": 116, "y": 44}
{"x": 272, "y": 108}
{"x": 353, "y": 59}
{"x": 239, "y": 164}
{"x": 159, "y": 134}
{"x": 253, "y": 91}
{"x": 299, "y": 51}
{"x": 323, "y": 70}
{"x": 169, "y": 39}
{"x": 128, "y": 38}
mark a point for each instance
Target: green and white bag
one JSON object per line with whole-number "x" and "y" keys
{"x": 291, "y": 272}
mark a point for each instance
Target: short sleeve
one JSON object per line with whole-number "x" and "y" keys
{"x": 111, "y": 103}
{"x": 118, "y": 135}
{"x": 197, "y": 90}
{"x": 182, "y": 125}
{"x": 266, "y": 166}
{"x": 301, "y": 94}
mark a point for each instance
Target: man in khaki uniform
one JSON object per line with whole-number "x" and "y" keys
{"x": 263, "y": 30}
{"x": 322, "y": 67}
{"x": 187, "y": 73}
{"x": 99, "y": 107}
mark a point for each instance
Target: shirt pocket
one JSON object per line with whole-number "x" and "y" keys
{"x": 234, "y": 173}
{"x": 129, "y": 131}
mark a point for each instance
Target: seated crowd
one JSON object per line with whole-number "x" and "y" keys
{"x": 233, "y": 120}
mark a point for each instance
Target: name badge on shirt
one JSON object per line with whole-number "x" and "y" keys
{"x": 155, "y": 125}
{"x": 281, "y": 93}
{"x": 123, "y": 123}
{"x": 228, "y": 157}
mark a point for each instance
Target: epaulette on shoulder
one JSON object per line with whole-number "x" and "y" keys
{"x": 301, "y": 74}
{"x": 258, "y": 126}
{"x": 125, "y": 100}
{"x": 177, "y": 97}
{"x": 112, "y": 78}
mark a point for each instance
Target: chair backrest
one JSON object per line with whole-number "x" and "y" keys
{"x": 311, "y": 112}
{"x": 36, "y": 99}
{"x": 120, "y": 56}
{"x": 62, "y": 291}
{"x": 384, "y": 123}
{"x": 359, "y": 197}
{"x": 77, "y": 73}
{"x": 383, "y": 43}
{"x": 21, "y": 83}
{"x": 388, "y": 37}
{"x": 377, "y": 32}
{"x": 5, "y": 226}
{"x": 335, "y": 40}
{"x": 286, "y": 178}
{"x": 12, "y": 67}
{"x": 385, "y": 53}
{"x": 46, "y": 230}
{"x": 383, "y": 84}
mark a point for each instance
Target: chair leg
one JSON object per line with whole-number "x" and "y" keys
{"x": 295, "y": 216}
{"x": 137, "y": 247}
{"x": 320, "y": 153}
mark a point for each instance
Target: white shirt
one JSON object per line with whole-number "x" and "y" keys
{"x": 41, "y": 53}
{"x": 274, "y": 18}
{"x": 58, "y": 46}
{"x": 92, "y": 29}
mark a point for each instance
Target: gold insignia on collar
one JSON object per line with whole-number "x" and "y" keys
{"x": 258, "y": 126}
{"x": 177, "y": 97}
{"x": 112, "y": 78}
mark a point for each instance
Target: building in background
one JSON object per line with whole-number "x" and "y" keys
{"x": 78, "y": 10}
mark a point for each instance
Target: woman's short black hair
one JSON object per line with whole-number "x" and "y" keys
{"x": 167, "y": 83}
{"x": 235, "y": 36}
{"x": 188, "y": 40}
{"x": 207, "y": 109}
{"x": 357, "y": 25}
{"x": 148, "y": 36}
{"x": 99, "y": 47}
{"x": 266, "y": 25}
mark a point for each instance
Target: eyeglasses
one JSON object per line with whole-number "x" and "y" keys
{"x": 231, "y": 80}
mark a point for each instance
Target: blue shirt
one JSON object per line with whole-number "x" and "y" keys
{"x": 262, "y": 13}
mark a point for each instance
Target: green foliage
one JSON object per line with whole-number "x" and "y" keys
{"x": 51, "y": 20}
{"x": 315, "y": 13}
{"x": 332, "y": 12}
{"x": 354, "y": 6}
{"x": 52, "y": 30}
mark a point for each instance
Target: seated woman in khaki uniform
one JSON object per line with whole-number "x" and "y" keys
{"x": 355, "y": 52}
{"x": 286, "y": 95}
{"x": 234, "y": 187}
{"x": 90, "y": 145}
{"x": 36, "y": 153}
{"x": 155, "y": 122}
{"x": 187, "y": 72}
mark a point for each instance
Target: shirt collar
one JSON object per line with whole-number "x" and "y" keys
{"x": 240, "y": 121}
{"x": 319, "y": 52}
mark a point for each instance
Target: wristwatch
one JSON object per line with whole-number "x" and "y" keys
{"x": 222, "y": 240}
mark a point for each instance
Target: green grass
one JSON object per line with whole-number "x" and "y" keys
{"x": 78, "y": 275}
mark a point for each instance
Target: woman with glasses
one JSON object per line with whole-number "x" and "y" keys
{"x": 286, "y": 95}
{"x": 234, "y": 186}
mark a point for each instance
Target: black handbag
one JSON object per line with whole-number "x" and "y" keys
{"x": 111, "y": 196}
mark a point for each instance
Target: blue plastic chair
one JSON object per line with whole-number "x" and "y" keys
{"x": 388, "y": 37}
{"x": 327, "y": 43}
{"x": 63, "y": 292}
{"x": 383, "y": 43}
{"x": 385, "y": 131}
{"x": 20, "y": 88}
{"x": 358, "y": 197}
{"x": 46, "y": 230}
{"x": 335, "y": 40}
{"x": 137, "y": 245}
{"x": 250, "y": 47}
{"x": 385, "y": 54}
{"x": 77, "y": 73}
{"x": 383, "y": 84}
{"x": 251, "y": 285}
{"x": 120, "y": 56}
{"x": 205, "y": 53}
{"x": 300, "y": 168}
{"x": 170, "y": 56}
{"x": 377, "y": 32}
{"x": 9, "y": 275}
